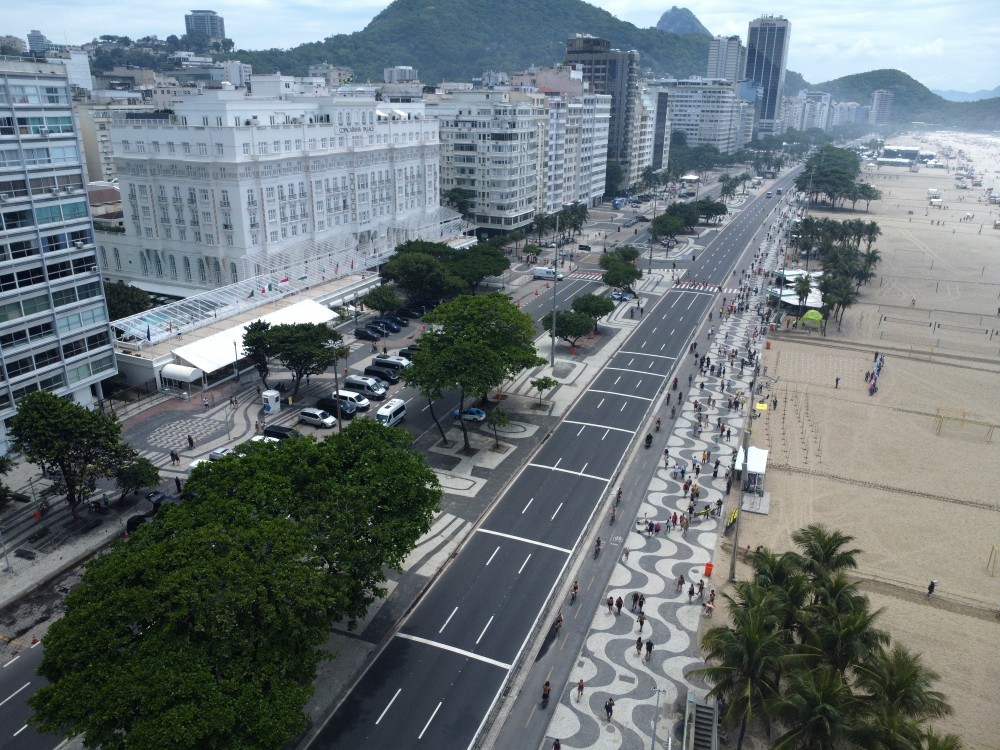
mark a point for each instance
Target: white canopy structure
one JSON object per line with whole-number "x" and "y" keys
{"x": 756, "y": 460}
{"x": 226, "y": 347}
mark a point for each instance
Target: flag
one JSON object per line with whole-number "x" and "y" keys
{"x": 171, "y": 324}
{"x": 303, "y": 278}
{"x": 336, "y": 271}
{"x": 283, "y": 281}
{"x": 263, "y": 290}
{"x": 149, "y": 334}
{"x": 352, "y": 264}
{"x": 251, "y": 293}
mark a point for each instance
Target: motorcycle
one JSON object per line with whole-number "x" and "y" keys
{"x": 649, "y": 440}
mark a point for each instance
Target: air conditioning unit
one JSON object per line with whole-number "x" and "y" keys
{"x": 79, "y": 244}
{"x": 45, "y": 132}
{"x": 3, "y": 197}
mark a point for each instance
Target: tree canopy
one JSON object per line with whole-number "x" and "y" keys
{"x": 125, "y": 300}
{"x": 570, "y": 325}
{"x": 76, "y": 444}
{"x": 473, "y": 344}
{"x": 205, "y": 628}
{"x": 383, "y": 298}
{"x": 304, "y": 348}
{"x": 620, "y": 271}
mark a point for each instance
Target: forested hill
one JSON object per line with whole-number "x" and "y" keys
{"x": 914, "y": 102}
{"x": 459, "y": 39}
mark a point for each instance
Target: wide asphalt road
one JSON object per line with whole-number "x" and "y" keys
{"x": 19, "y": 680}
{"x": 435, "y": 682}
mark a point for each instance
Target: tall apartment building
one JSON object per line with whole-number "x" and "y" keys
{"x": 14, "y": 44}
{"x": 707, "y": 110}
{"x": 54, "y": 332}
{"x": 880, "y": 106}
{"x": 493, "y": 144}
{"x": 233, "y": 187}
{"x": 616, "y": 73}
{"x": 576, "y": 156}
{"x": 766, "y": 59}
{"x": 842, "y": 113}
{"x": 334, "y": 75}
{"x": 206, "y": 22}
{"x": 725, "y": 58}
{"x": 38, "y": 43}
{"x": 807, "y": 110}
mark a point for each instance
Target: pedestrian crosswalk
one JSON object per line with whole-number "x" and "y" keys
{"x": 588, "y": 275}
{"x": 704, "y": 286}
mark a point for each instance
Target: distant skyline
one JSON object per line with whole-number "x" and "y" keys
{"x": 942, "y": 45}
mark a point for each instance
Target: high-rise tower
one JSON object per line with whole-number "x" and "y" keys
{"x": 767, "y": 55}
{"x": 725, "y": 57}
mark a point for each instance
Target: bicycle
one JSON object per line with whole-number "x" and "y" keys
{"x": 597, "y": 547}
{"x": 573, "y": 592}
{"x": 614, "y": 513}
{"x": 618, "y": 497}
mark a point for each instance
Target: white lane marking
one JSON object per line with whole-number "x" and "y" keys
{"x": 488, "y": 622}
{"x": 591, "y": 424}
{"x": 496, "y": 550}
{"x": 580, "y": 432}
{"x": 521, "y": 569}
{"x": 514, "y": 538}
{"x": 446, "y": 622}
{"x": 14, "y": 693}
{"x": 388, "y": 706}
{"x": 600, "y": 403}
{"x": 567, "y": 471}
{"x": 19, "y": 730}
{"x": 644, "y": 354}
{"x": 556, "y": 512}
{"x": 12, "y": 660}
{"x": 454, "y": 650}
{"x": 433, "y": 714}
{"x": 627, "y": 395}
{"x": 692, "y": 303}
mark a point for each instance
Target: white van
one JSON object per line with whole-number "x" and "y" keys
{"x": 544, "y": 272}
{"x": 365, "y": 385}
{"x": 359, "y": 401}
{"x": 391, "y": 413}
{"x": 391, "y": 361}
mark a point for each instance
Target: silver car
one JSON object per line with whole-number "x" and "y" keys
{"x": 317, "y": 417}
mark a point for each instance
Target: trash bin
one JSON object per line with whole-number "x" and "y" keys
{"x": 709, "y": 567}
{"x": 772, "y": 327}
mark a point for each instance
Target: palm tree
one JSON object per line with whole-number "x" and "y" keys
{"x": 820, "y": 710}
{"x": 934, "y": 741}
{"x": 871, "y": 258}
{"x": 541, "y": 224}
{"x": 745, "y": 658}
{"x": 845, "y": 295}
{"x": 902, "y": 685}
{"x": 842, "y": 640}
{"x": 803, "y": 285}
{"x": 823, "y": 549}
{"x": 871, "y": 233}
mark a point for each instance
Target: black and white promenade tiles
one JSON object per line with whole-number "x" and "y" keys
{"x": 608, "y": 663}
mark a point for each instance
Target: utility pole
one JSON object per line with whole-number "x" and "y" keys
{"x": 745, "y": 441}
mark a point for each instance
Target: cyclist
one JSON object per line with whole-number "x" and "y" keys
{"x": 597, "y": 546}
{"x": 614, "y": 513}
{"x": 657, "y": 424}
{"x": 559, "y": 621}
{"x": 546, "y": 689}
{"x": 618, "y": 496}
{"x": 575, "y": 591}
{"x": 673, "y": 412}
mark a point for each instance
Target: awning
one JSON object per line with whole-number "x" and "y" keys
{"x": 180, "y": 373}
{"x": 756, "y": 461}
{"x": 222, "y": 349}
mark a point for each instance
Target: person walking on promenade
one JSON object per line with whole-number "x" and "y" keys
{"x": 579, "y": 691}
{"x": 190, "y": 443}
{"x": 642, "y": 602}
{"x": 701, "y": 589}
{"x": 635, "y": 600}
{"x": 930, "y": 588}
{"x": 642, "y": 620}
{"x": 638, "y": 645}
{"x": 609, "y": 707}
{"x": 618, "y": 605}
{"x": 610, "y": 603}
{"x": 680, "y": 583}
{"x": 691, "y": 593}
{"x": 649, "y": 647}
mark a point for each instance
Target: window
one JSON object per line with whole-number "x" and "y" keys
{"x": 187, "y": 269}
{"x": 104, "y": 258}
{"x": 232, "y": 273}
{"x": 220, "y": 150}
{"x": 157, "y": 264}
{"x": 201, "y": 271}
{"x": 186, "y": 148}
{"x": 118, "y": 258}
{"x": 246, "y": 149}
{"x": 144, "y": 264}
{"x": 203, "y": 149}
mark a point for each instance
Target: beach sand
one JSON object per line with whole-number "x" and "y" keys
{"x": 919, "y": 494}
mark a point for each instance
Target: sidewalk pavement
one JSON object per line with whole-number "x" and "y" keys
{"x": 609, "y": 663}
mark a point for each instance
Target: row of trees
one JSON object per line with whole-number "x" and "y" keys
{"x": 581, "y": 318}
{"x": 205, "y": 628}
{"x": 569, "y": 219}
{"x": 683, "y": 216}
{"x": 429, "y": 272}
{"x": 803, "y": 657}
{"x": 845, "y": 265}
{"x": 833, "y": 172}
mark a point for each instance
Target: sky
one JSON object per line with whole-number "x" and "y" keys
{"x": 944, "y": 45}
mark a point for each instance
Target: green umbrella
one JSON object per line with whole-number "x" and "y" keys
{"x": 812, "y": 317}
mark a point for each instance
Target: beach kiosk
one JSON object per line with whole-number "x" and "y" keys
{"x": 756, "y": 461}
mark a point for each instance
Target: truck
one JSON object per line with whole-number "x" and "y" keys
{"x": 933, "y": 193}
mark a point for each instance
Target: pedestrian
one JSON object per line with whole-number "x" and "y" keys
{"x": 680, "y": 583}
{"x": 656, "y": 528}
{"x": 711, "y": 597}
{"x": 204, "y": 401}
{"x": 649, "y": 528}
{"x": 642, "y": 620}
{"x": 611, "y": 603}
{"x": 635, "y": 600}
{"x": 374, "y": 348}
{"x": 190, "y": 443}
{"x": 649, "y": 648}
{"x": 258, "y": 390}
{"x": 256, "y": 425}
{"x": 556, "y": 745}
{"x": 729, "y": 430}
{"x": 625, "y": 553}
{"x": 691, "y": 593}
{"x": 177, "y": 482}
{"x": 930, "y": 587}
{"x": 642, "y": 601}
{"x": 673, "y": 520}
{"x": 701, "y": 588}
{"x": 638, "y": 645}
{"x": 579, "y": 691}
{"x": 609, "y": 706}
{"x": 618, "y": 605}
{"x": 836, "y": 382}
{"x": 173, "y": 457}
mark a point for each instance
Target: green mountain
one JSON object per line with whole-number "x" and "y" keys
{"x": 460, "y": 39}
{"x": 914, "y": 102}
{"x": 681, "y": 21}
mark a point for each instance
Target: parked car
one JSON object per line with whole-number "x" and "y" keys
{"x": 632, "y": 222}
{"x": 397, "y": 319}
{"x": 219, "y": 453}
{"x": 329, "y": 405}
{"x": 366, "y": 334}
{"x": 382, "y": 373}
{"x": 317, "y": 417}
{"x": 367, "y": 385}
{"x": 640, "y": 217}
{"x": 392, "y": 325}
{"x": 405, "y": 312}
{"x": 382, "y": 330}
{"x": 158, "y": 500}
{"x": 472, "y": 414}
{"x": 279, "y": 432}
{"x": 409, "y": 351}
{"x": 390, "y": 361}
{"x": 620, "y": 296}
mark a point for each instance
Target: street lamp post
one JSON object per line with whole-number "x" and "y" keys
{"x": 745, "y": 441}
{"x": 236, "y": 361}
{"x": 555, "y": 288}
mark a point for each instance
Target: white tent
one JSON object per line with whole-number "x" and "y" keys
{"x": 756, "y": 468}
{"x": 222, "y": 349}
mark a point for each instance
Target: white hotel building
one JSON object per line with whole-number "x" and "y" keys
{"x": 291, "y": 182}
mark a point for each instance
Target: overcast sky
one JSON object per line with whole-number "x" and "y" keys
{"x": 944, "y": 45}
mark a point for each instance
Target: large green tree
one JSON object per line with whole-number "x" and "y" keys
{"x": 477, "y": 263}
{"x": 304, "y": 348}
{"x": 594, "y": 305}
{"x": 75, "y": 444}
{"x": 205, "y": 628}
{"x": 125, "y": 300}
{"x": 258, "y": 349}
{"x": 420, "y": 272}
{"x": 473, "y": 344}
{"x": 570, "y": 325}
{"x": 383, "y": 298}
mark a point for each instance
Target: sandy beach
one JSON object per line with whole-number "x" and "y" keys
{"x": 918, "y": 492}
